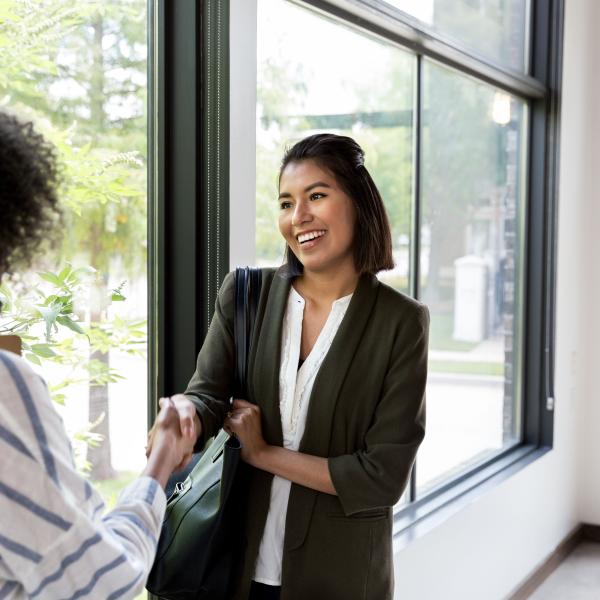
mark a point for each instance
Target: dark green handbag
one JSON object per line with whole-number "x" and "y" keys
{"x": 201, "y": 535}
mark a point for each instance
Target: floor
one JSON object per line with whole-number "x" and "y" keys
{"x": 577, "y": 578}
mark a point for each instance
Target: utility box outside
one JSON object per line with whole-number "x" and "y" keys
{"x": 470, "y": 287}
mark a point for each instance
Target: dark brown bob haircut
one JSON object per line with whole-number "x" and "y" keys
{"x": 344, "y": 159}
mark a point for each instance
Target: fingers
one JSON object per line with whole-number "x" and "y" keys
{"x": 168, "y": 414}
{"x": 243, "y": 404}
{"x": 184, "y": 462}
{"x": 241, "y": 419}
{"x": 168, "y": 418}
{"x": 151, "y": 435}
{"x": 187, "y": 412}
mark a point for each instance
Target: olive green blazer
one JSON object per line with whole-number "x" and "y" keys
{"x": 366, "y": 415}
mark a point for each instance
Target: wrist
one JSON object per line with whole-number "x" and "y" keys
{"x": 163, "y": 459}
{"x": 260, "y": 456}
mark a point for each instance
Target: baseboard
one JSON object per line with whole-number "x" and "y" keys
{"x": 539, "y": 575}
{"x": 591, "y": 532}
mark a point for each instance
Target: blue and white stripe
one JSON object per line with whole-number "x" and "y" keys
{"x": 32, "y": 413}
{"x": 53, "y": 543}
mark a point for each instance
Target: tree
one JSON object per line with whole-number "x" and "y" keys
{"x": 459, "y": 153}
{"x": 78, "y": 70}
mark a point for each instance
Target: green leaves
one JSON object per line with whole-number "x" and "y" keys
{"x": 33, "y": 358}
{"x": 49, "y": 314}
{"x": 117, "y": 293}
{"x": 72, "y": 325}
{"x": 43, "y": 350}
{"x": 77, "y": 70}
{"x": 55, "y": 303}
{"x": 50, "y": 277}
{"x": 48, "y": 311}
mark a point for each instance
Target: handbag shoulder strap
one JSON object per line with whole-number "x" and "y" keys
{"x": 248, "y": 283}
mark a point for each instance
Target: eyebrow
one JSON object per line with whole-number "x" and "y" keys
{"x": 307, "y": 188}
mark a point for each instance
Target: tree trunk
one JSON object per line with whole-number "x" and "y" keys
{"x": 99, "y": 456}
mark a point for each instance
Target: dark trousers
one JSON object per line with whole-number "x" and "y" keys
{"x": 260, "y": 591}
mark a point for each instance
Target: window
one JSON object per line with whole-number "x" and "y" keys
{"x": 452, "y": 148}
{"x": 471, "y": 259}
{"x": 495, "y": 28}
{"x": 79, "y": 73}
{"x": 305, "y": 89}
{"x": 456, "y": 107}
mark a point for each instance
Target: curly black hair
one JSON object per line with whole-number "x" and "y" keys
{"x": 29, "y": 206}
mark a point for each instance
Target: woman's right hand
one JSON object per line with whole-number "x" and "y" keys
{"x": 190, "y": 427}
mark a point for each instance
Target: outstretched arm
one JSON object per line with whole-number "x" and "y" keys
{"x": 53, "y": 537}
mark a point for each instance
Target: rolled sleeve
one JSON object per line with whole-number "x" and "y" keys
{"x": 376, "y": 476}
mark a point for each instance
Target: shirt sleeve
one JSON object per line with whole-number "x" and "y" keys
{"x": 211, "y": 386}
{"x": 376, "y": 476}
{"x": 54, "y": 540}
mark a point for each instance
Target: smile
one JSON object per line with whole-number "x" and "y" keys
{"x": 311, "y": 235}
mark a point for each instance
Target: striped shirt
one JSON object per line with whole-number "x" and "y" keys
{"x": 54, "y": 540}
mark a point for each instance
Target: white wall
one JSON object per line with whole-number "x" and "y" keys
{"x": 242, "y": 136}
{"x": 487, "y": 549}
{"x": 589, "y": 285}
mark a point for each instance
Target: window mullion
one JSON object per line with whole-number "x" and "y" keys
{"x": 415, "y": 249}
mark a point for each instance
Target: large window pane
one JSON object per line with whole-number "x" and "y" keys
{"x": 495, "y": 28}
{"x": 472, "y": 267}
{"x": 78, "y": 71}
{"x": 315, "y": 74}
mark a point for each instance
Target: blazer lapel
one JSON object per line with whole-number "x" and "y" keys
{"x": 323, "y": 400}
{"x": 268, "y": 358}
{"x": 333, "y": 370}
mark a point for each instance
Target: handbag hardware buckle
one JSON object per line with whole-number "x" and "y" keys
{"x": 182, "y": 486}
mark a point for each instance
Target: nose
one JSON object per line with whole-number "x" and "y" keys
{"x": 301, "y": 214}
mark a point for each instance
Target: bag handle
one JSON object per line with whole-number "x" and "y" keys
{"x": 248, "y": 283}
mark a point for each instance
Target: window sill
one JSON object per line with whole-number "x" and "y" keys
{"x": 414, "y": 521}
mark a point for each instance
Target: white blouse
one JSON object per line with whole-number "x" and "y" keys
{"x": 295, "y": 387}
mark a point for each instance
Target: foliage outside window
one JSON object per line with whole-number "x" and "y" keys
{"x": 77, "y": 70}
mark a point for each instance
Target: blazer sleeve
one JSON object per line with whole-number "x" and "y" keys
{"x": 211, "y": 386}
{"x": 376, "y": 476}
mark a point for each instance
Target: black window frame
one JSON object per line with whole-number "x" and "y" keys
{"x": 189, "y": 203}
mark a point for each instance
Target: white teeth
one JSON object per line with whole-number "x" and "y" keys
{"x": 305, "y": 237}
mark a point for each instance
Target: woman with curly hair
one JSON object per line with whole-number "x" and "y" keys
{"x": 54, "y": 541}
{"x": 29, "y": 204}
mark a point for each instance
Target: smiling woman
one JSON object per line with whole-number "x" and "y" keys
{"x": 335, "y": 409}
{"x": 324, "y": 186}
{"x": 317, "y": 217}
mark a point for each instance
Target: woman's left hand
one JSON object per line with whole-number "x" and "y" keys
{"x": 244, "y": 422}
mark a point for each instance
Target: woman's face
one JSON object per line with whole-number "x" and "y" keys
{"x": 316, "y": 217}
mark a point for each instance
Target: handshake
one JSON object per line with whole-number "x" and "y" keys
{"x": 172, "y": 438}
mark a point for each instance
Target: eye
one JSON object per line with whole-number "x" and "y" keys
{"x": 285, "y": 204}
{"x": 317, "y": 196}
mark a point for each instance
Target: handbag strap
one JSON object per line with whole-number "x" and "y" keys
{"x": 248, "y": 283}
